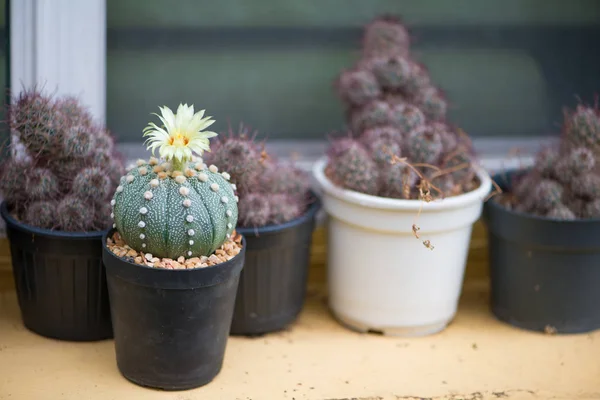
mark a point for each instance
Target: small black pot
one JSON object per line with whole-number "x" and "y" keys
{"x": 171, "y": 326}
{"x": 60, "y": 281}
{"x": 545, "y": 274}
{"x": 273, "y": 284}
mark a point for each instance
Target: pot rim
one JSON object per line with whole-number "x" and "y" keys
{"x": 315, "y": 206}
{"x": 209, "y": 268}
{"x": 29, "y": 229}
{"x": 366, "y": 200}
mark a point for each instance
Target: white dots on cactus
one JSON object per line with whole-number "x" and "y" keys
{"x": 228, "y": 236}
{"x": 214, "y": 187}
{"x": 237, "y": 199}
{"x": 143, "y": 244}
{"x": 140, "y": 162}
{"x": 129, "y": 178}
{"x": 180, "y": 179}
{"x": 143, "y": 171}
{"x": 233, "y": 186}
{"x": 189, "y": 253}
{"x": 166, "y": 166}
{"x": 143, "y": 211}
{"x": 112, "y": 216}
{"x": 119, "y": 189}
{"x": 154, "y": 183}
{"x": 202, "y": 177}
{"x": 114, "y": 225}
{"x": 148, "y": 256}
{"x": 148, "y": 195}
{"x": 184, "y": 191}
{"x": 142, "y": 224}
{"x": 191, "y": 232}
{"x": 199, "y": 166}
{"x": 142, "y": 236}
{"x": 224, "y": 199}
{"x": 229, "y": 226}
{"x": 153, "y": 161}
{"x": 130, "y": 167}
{"x": 189, "y": 218}
{"x": 228, "y": 213}
{"x": 191, "y": 242}
{"x": 113, "y": 202}
{"x": 213, "y": 169}
{"x": 226, "y": 175}
{"x": 187, "y": 203}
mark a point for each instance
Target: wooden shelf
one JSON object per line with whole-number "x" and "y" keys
{"x": 475, "y": 358}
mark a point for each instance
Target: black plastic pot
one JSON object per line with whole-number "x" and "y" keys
{"x": 60, "y": 281}
{"x": 171, "y": 326}
{"x": 273, "y": 283}
{"x": 545, "y": 274}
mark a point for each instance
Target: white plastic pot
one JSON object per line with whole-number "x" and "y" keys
{"x": 383, "y": 279}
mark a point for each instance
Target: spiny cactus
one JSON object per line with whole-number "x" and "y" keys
{"x": 564, "y": 182}
{"x": 403, "y": 118}
{"x": 351, "y": 166}
{"x": 177, "y": 207}
{"x": 358, "y": 87}
{"x": 271, "y": 192}
{"x": 61, "y": 143}
{"x": 385, "y": 36}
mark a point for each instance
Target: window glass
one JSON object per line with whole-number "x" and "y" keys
{"x": 507, "y": 66}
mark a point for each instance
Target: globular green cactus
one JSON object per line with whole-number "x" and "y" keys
{"x": 424, "y": 145}
{"x": 177, "y": 207}
{"x": 351, "y": 166}
{"x": 60, "y": 142}
{"x": 385, "y": 36}
{"x": 357, "y": 87}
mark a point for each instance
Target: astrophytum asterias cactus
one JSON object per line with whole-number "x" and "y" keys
{"x": 177, "y": 205}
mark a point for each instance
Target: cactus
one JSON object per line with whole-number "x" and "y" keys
{"x": 406, "y": 119}
{"x": 561, "y": 212}
{"x": 41, "y": 213}
{"x": 351, "y": 166}
{"x": 582, "y": 127}
{"x": 586, "y": 186}
{"x": 284, "y": 178}
{"x": 254, "y": 210}
{"x": 283, "y": 208}
{"x": 397, "y": 181}
{"x": 392, "y": 73}
{"x": 591, "y": 209}
{"x": 547, "y": 195}
{"x": 60, "y": 142}
{"x": 424, "y": 145}
{"x": 357, "y": 87}
{"x": 546, "y": 162}
{"x": 240, "y": 155}
{"x": 177, "y": 207}
{"x": 373, "y": 114}
{"x": 385, "y": 36}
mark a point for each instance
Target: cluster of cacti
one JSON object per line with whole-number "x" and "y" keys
{"x": 271, "y": 192}
{"x": 564, "y": 182}
{"x": 64, "y": 167}
{"x": 394, "y": 111}
{"x": 177, "y": 205}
